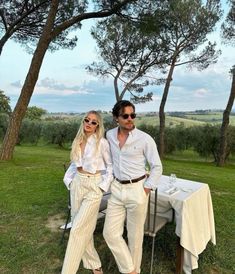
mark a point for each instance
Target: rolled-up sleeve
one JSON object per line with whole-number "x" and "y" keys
{"x": 107, "y": 177}
{"x": 69, "y": 174}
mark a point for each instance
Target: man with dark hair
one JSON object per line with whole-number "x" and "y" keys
{"x": 131, "y": 149}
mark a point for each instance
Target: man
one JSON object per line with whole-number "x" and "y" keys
{"x": 131, "y": 150}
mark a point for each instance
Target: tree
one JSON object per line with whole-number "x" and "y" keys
{"x": 4, "y": 103}
{"x": 22, "y": 20}
{"x": 59, "y": 21}
{"x": 228, "y": 37}
{"x": 187, "y": 24}
{"x": 228, "y": 26}
{"x": 34, "y": 113}
{"x": 126, "y": 55}
{"x": 222, "y": 153}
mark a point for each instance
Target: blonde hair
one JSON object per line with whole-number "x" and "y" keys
{"x": 81, "y": 135}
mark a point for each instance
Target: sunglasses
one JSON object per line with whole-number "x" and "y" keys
{"x": 88, "y": 121}
{"x": 126, "y": 116}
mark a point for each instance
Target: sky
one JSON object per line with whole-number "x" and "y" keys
{"x": 65, "y": 86}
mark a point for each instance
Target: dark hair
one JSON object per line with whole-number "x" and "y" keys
{"x": 119, "y": 107}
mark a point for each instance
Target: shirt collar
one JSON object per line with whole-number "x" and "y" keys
{"x": 131, "y": 134}
{"x": 92, "y": 139}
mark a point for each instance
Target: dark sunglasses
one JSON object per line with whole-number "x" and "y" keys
{"x": 88, "y": 121}
{"x": 126, "y": 116}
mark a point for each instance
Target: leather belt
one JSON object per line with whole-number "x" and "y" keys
{"x": 124, "y": 182}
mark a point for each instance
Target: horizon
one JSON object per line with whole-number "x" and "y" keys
{"x": 105, "y": 111}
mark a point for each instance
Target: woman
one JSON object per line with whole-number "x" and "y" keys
{"x": 89, "y": 174}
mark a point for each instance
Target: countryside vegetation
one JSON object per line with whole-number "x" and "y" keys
{"x": 35, "y": 144}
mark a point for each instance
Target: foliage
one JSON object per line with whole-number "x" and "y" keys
{"x": 127, "y": 55}
{"x": 184, "y": 31}
{"x": 23, "y": 21}
{"x": 4, "y": 119}
{"x": 30, "y": 131}
{"x": 228, "y": 26}
{"x": 35, "y": 113}
{"x": 4, "y": 103}
{"x": 59, "y": 132}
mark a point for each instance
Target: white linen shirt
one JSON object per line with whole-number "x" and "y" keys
{"x": 130, "y": 161}
{"x": 94, "y": 159}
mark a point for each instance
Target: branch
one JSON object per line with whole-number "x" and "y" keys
{"x": 14, "y": 26}
{"x": 3, "y": 19}
{"x": 99, "y": 14}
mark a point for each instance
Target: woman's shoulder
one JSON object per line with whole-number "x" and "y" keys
{"x": 103, "y": 141}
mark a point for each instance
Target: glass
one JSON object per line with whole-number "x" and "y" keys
{"x": 172, "y": 179}
{"x": 88, "y": 121}
{"x": 126, "y": 116}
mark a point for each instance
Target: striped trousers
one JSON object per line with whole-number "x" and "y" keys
{"x": 85, "y": 201}
{"x": 127, "y": 202}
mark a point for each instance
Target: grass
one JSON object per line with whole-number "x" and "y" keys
{"x": 33, "y": 203}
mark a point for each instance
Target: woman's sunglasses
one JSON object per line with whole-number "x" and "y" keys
{"x": 126, "y": 116}
{"x": 88, "y": 121}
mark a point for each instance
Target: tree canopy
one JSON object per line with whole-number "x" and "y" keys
{"x": 185, "y": 26}
{"x": 228, "y": 26}
{"x": 4, "y": 103}
{"x": 127, "y": 55}
{"x": 35, "y": 113}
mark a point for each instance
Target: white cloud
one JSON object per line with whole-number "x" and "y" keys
{"x": 200, "y": 93}
{"x": 51, "y": 86}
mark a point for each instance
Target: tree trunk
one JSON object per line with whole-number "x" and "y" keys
{"x": 3, "y": 40}
{"x": 115, "y": 83}
{"x": 225, "y": 123}
{"x": 161, "y": 145}
{"x": 17, "y": 116}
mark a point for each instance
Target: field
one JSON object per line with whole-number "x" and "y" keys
{"x": 33, "y": 202}
{"x": 188, "y": 119}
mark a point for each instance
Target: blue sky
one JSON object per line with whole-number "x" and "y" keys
{"x": 65, "y": 86}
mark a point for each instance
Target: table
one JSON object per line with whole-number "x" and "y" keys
{"x": 194, "y": 217}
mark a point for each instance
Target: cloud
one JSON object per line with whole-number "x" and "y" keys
{"x": 51, "y": 86}
{"x": 16, "y": 84}
{"x": 200, "y": 93}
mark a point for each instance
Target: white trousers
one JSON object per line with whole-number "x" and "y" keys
{"x": 127, "y": 202}
{"x": 85, "y": 201}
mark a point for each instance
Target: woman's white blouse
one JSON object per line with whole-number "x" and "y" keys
{"x": 94, "y": 159}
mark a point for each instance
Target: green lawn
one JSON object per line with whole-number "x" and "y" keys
{"x": 33, "y": 203}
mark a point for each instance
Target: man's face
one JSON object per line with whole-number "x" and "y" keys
{"x": 126, "y": 118}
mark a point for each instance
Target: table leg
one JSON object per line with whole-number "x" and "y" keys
{"x": 179, "y": 257}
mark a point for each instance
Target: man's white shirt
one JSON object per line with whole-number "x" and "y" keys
{"x": 131, "y": 160}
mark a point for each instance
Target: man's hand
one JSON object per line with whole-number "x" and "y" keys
{"x": 147, "y": 190}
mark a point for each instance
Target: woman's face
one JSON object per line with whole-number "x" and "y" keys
{"x": 90, "y": 124}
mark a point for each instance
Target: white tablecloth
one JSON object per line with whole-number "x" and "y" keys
{"x": 193, "y": 215}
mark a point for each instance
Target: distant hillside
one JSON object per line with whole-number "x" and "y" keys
{"x": 188, "y": 119}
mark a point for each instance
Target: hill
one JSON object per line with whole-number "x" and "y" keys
{"x": 188, "y": 119}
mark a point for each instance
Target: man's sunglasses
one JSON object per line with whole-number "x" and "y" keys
{"x": 126, "y": 116}
{"x": 88, "y": 121}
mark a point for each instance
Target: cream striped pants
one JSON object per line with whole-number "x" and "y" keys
{"x": 127, "y": 202}
{"x": 85, "y": 201}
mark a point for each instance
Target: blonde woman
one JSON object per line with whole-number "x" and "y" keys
{"x": 88, "y": 176}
